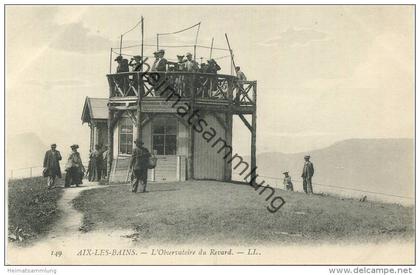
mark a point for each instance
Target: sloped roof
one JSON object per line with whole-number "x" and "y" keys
{"x": 95, "y": 109}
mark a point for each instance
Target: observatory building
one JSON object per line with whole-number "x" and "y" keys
{"x": 184, "y": 118}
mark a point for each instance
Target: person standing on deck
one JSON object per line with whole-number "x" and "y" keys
{"x": 179, "y": 79}
{"x": 212, "y": 68}
{"x": 241, "y": 76}
{"x": 180, "y": 65}
{"x": 52, "y": 165}
{"x": 159, "y": 65}
{"x": 307, "y": 174}
{"x": 136, "y": 63}
{"x": 190, "y": 64}
{"x": 122, "y": 64}
{"x": 121, "y": 80}
{"x": 139, "y": 165}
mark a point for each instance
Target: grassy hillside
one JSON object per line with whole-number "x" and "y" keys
{"x": 32, "y": 208}
{"x": 380, "y": 165}
{"x": 217, "y": 212}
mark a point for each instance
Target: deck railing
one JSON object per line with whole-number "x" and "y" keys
{"x": 201, "y": 85}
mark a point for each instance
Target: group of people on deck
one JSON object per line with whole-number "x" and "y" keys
{"x": 185, "y": 63}
{"x": 75, "y": 170}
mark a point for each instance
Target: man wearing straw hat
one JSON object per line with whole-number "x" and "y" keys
{"x": 139, "y": 165}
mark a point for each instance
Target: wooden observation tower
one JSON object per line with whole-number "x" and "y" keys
{"x": 185, "y": 118}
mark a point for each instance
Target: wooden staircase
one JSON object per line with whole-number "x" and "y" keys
{"x": 169, "y": 168}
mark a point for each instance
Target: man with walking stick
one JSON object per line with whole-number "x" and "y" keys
{"x": 139, "y": 165}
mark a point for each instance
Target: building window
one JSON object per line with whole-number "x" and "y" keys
{"x": 126, "y": 136}
{"x": 164, "y": 136}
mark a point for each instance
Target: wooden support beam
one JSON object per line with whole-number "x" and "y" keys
{"x": 110, "y": 142}
{"x": 91, "y": 147}
{"x": 254, "y": 140}
{"x": 132, "y": 117}
{"x": 228, "y": 165}
{"x": 246, "y": 122}
{"x": 183, "y": 121}
{"x": 115, "y": 117}
{"x": 147, "y": 119}
{"x": 123, "y": 108}
{"x": 139, "y": 102}
{"x": 191, "y": 134}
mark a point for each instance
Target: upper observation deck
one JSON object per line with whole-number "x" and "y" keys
{"x": 158, "y": 91}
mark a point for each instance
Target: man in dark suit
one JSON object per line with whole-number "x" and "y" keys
{"x": 52, "y": 165}
{"x": 160, "y": 62}
{"x": 122, "y": 64}
{"x": 139, "y": 165}
{"x": 307, "y": 174}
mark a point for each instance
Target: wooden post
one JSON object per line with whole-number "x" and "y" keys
{"x": 196, "y": 40}
{"x": 178, "y": 168}
{"x": 140, "y": 80}
{"x": 231, "y": 55}
{"x": 95, "y": 135}
{"x": 228, "y": 165}
{"x": 142, "y": 44}
{"x": 121, "y": 43}
{"x": 110, "y": 61}
{"x": 190, "y": 167}
{"x": 254, "y": 136}
{"x": 211, "y": 47}
{"x": 229, "y": 128}
{"x": 91, "y": 136}
{"x": 231, "y": 64}
{"x": 153, "y": 175}
{"x": 110, "y": 143}
{"x": 140, "y": 87}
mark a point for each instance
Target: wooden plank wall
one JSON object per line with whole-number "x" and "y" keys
{"x": 208, "y": 164}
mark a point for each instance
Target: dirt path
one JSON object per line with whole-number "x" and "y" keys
{"x": 65, "y": 238}
{"x": 71, "y": 219}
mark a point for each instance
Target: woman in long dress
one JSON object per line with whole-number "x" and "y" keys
{"x": 75, "y": 169}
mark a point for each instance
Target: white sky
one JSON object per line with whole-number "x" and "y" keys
{"x": 324, "y": 73}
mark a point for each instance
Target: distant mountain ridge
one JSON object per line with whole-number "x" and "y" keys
{"x": 380, "y": 165}
{"x": 25, "y": 150}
